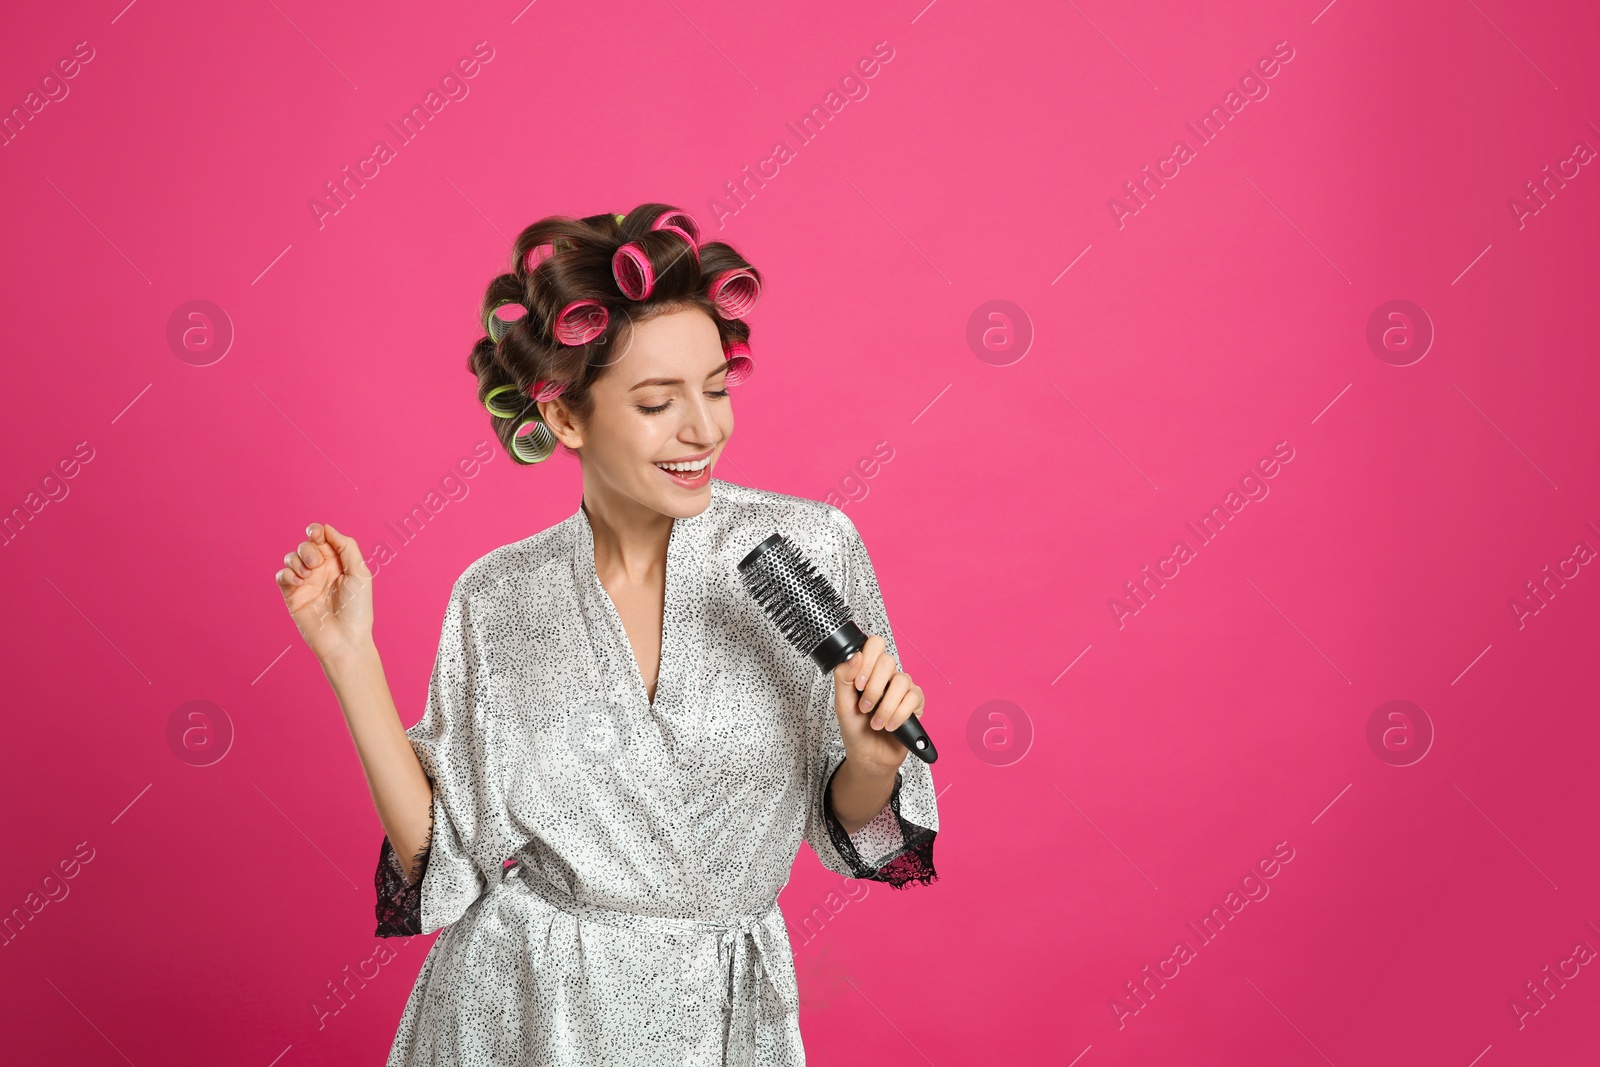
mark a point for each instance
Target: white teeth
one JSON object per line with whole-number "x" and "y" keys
{"x": 697, "y": 465}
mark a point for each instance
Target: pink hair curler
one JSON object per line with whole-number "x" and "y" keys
{"x": 633, "y": 272}
{"x": 740, "y": 365}
{"x": 537, "y": 255}
{"x": 687, "y": 239}
{"x": 681, "y": 221}
{"x": 684, "y": 226}
{"x": 546, "y": 390}
{"x": 502, "y": 317}
{"x": 735, "y": 292}
{"x": 580, "y": 322}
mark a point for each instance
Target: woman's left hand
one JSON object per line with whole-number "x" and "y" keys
{"x": 869, "y": 688}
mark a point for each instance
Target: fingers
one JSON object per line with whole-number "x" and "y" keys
{"x": 306, "y": 557}
{"x": 886, "y": 691}
{"x": 877, "y": 681}
{"x": 852, "y": 674}
{"x": 909, "y": 703}
{"x": 844, "y": 678}
{"x": 324, "y": 543}
{"x": 887, "y": 707}
{"x": 349, "y": 553}
{"x": 302, "y": 559}
{"x": 866, "y": 660}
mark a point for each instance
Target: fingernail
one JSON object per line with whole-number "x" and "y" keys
{"x": 861, "y": 682}
{"x": 866, "y": 705}
{"x": 877, "y": 724}
{"x": 311, "y": 531}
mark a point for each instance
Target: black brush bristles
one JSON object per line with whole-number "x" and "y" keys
{"x": 795, "y": 595}
{"x": 814, "y": 618}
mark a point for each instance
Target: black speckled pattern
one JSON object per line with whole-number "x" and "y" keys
{"x": 638, "y": 923}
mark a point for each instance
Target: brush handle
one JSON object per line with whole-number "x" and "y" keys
{"x": 845, "y": 642}
{"x": 911, "y": 734}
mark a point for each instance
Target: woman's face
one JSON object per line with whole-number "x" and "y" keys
{"x": 664, "y": 400}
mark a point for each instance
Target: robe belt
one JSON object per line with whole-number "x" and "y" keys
{"x": 764, "y": 931}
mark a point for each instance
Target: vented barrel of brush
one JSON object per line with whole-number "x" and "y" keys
{"x": 814, "y": 618}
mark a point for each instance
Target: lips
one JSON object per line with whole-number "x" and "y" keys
{"x": 689, "y": 458}
{"x": 690, "y": 479}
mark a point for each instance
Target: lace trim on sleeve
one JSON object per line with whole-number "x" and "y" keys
{"x": 399, "y": 908}
{"x": 911, "y": 863}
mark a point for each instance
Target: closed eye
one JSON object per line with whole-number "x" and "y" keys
{"x": 659, "y": 408}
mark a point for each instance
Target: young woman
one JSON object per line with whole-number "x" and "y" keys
{"x": 620, "y": 754}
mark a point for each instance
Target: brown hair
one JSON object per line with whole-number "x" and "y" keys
{"x": 579, "y": 268}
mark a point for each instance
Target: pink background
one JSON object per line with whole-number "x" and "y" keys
{"x": 1226, "y": 716}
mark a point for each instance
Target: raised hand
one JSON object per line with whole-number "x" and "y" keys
{"x": 327, "y": 588}
{"x": 872, "y": 697}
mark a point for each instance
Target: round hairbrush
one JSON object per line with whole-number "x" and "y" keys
{"x": 814, "y": 618}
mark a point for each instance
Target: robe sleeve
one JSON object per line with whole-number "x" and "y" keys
{"x": 471, "y": 836}
{"x": 896, "y": 847}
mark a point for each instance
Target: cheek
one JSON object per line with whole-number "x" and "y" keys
{"x": 623, "y": 431}
{"x": 649, "y": 437}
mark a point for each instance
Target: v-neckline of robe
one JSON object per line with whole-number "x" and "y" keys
{"x": 668, "y": 661}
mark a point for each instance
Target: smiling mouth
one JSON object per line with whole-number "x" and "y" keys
{"x": 690, "y": 473}
{"x": 687, "y": 466}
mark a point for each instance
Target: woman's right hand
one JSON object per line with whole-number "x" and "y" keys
{"x": 327, "y": 588}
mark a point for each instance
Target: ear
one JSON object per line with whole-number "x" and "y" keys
{"x": 558, "y": 417}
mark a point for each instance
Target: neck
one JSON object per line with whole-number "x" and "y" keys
{"x": 630, "y": 539}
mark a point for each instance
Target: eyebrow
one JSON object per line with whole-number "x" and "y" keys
{"x": 675, "y": 381}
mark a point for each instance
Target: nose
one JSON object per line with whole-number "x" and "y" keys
{"x": 699, "y": 423}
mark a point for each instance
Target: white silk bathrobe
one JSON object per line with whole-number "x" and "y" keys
{"x": 607, "y": 868}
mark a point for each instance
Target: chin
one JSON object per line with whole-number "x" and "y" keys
{"x": 679, "y": 501}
